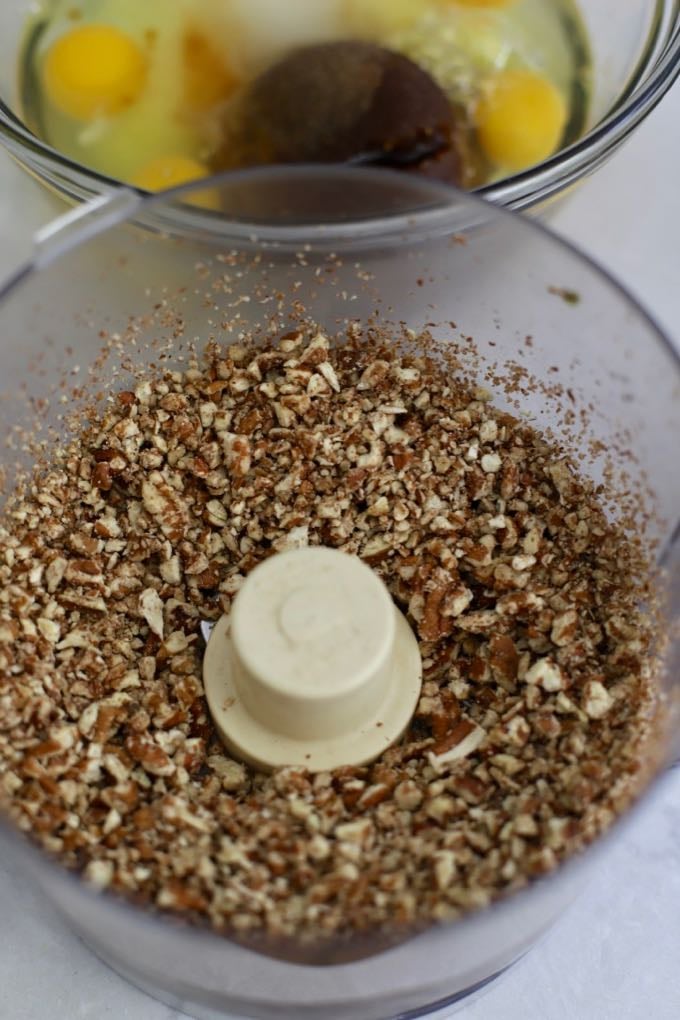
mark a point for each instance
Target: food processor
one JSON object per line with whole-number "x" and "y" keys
{"x": 498, "y": 291}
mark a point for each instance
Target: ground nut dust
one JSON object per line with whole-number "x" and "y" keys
{"x": 533, "y": 731}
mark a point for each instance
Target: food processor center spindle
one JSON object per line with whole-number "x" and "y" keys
{"x": 314, "y": 666}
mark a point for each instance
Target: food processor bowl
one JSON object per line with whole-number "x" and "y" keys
{"x": 452, "y": 263}
{"x": 633, "y": 66}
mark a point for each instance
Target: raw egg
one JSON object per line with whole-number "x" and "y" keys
{"x": 93, "y": 71}
{"x": 520, "y": 119}
{"x": 172, "y": 171}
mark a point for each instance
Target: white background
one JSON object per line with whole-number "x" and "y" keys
{"x": 616, "y": 954}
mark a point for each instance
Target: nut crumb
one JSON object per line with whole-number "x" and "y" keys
{"x": 532, "y": 732}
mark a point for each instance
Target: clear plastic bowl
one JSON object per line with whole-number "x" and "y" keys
{"x": 636, "y": 58}
{"x": 501, "y": 279}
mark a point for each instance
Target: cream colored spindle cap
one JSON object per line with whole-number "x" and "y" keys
{"x": 315, "y": 666}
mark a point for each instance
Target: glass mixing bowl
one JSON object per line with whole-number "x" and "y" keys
{"x": 636, "y": 58}
{"x": 453, "y": 262}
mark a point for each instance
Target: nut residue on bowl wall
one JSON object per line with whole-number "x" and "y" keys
{"x": 533, "y": 731}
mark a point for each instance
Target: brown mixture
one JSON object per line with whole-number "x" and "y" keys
{"x": 533, "y": 726}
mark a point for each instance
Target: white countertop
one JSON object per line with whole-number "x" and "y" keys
{"x": 616, "y": 954}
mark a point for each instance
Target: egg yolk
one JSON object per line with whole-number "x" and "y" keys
{"x": 171, "y": 172}
{"x": 94, "y": 70}
{"x": 520, "y": 119}
{"x": 207, "y": 79}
